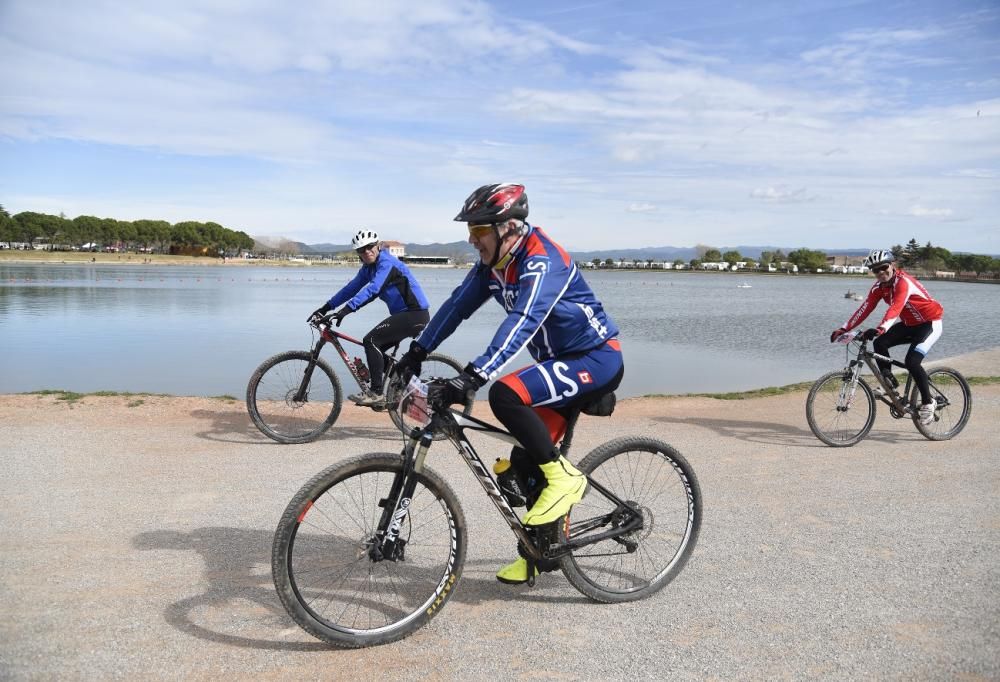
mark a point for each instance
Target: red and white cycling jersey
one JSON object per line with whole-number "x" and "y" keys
{"x": 908, "y": 302}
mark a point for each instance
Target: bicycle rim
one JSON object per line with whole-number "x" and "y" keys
{"x": 840, "y": 414}
{"x": 954, "y": 404}
{"x": 280, "y": 411}
{"x": 325, "y": 575}
{"x": 653, "y": 478}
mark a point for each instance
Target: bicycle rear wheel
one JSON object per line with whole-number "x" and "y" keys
{"x": 655, "y": 480}
{"x": 323, "y": 570}
{"x": 276, "y": 406}
{"x": 951, "y": 392}
{"x": 837, "y": 415}
{"x": 436, "y": 365}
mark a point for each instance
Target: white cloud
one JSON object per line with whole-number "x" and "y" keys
{"x": 781, "y": 194}
{"x": 389, "y": 113}
{"x": 923, "y": 211}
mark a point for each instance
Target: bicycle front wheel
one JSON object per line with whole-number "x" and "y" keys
{"x": 656, "y": 481}
{"x": 951, "y": 392}
{"x": 838, "y": 413}
{"x": 324, "y": 570}
{"x": 281, "y": 409}
{"x": 436, "y": 365}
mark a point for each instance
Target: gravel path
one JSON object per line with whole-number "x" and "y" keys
{"x": 136, "y": 543}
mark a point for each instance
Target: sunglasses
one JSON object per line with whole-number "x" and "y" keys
{"x": 365, "y": 248}
{"x": 480, "y": 231}
{"x": 881, "y": 268}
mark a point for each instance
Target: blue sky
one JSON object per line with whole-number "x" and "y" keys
{"x": 824, "y": 124}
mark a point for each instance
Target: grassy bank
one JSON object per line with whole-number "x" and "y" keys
{"x": 790, "y": 388}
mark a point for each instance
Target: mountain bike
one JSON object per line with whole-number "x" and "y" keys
{"x": 295, "y": 396}
{"x": 841, "y": 405}
{"x": 372, "y": 548}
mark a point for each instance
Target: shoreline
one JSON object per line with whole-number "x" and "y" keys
{"x": 978, "y": 367}
{"x": 83, "y": 258}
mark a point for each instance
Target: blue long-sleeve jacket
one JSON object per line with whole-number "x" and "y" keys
{"x": 550, "y": 308}
{"x": 387, "y": 278}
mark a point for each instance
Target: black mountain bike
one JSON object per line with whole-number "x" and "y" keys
{"x": 294, "y": 397}
{"x": 841, "y": 405}
{"x": 372, "y": 548}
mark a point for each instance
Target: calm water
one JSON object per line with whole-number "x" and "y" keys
{"x": 202, "y": 330}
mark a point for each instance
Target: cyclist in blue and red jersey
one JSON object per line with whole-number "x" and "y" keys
{"x": 383, "y": 276}
{"x": 913, "y": 317}
{"x": 552, "y": 312}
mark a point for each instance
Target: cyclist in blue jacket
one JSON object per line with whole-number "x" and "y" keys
{"x": 384, "y": 276}
{"x": 553, "y": 313}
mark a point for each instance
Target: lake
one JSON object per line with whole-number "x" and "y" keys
{"x": 202, "y": 330}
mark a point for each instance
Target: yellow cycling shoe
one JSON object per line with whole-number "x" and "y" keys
{"x": 515, "y": 573}
{"x": 565, "y": 486}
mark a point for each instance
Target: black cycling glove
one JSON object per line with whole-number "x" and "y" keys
{"x": 411, "y": 362}
{"x": 319, "y": 313}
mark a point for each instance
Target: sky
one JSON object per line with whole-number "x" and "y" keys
{"x": 812, "y": 123}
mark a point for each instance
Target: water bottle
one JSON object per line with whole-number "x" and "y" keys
{"x": 508, "y": 482}
{"x": 361, "y": 369}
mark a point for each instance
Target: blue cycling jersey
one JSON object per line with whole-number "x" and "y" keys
{"x": 550, "y": 308}
{"x": 387, "y": 278}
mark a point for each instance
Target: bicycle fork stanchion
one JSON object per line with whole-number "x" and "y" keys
{"x": 303, "y": 392}
{"x": 396, "y": 505}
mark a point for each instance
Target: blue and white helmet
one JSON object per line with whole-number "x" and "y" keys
{"x": 364, "y": 238}
{"x": 878, "y": 257}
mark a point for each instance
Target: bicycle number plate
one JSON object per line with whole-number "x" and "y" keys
{"x": 415, "y": 402}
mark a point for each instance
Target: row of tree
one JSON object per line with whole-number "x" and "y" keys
{"x": 932, "y": 258}
{"x": 159, "y": 236}
{"x": 926, "y": 259}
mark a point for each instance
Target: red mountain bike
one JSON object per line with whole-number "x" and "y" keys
{"x": 295, "y": 396}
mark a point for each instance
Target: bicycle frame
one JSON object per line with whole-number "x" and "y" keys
{"x": 327, "y": 334}
{"x": 892, "y": 397}
{"x": 455, "y": 424}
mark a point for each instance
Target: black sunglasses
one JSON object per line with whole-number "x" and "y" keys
{"x": 881, "y": 268}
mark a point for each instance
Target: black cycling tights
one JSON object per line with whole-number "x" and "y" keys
{"x": 388, "y": 333}
{"x": 525, "y": 424}
{"x": 899, "y": 334}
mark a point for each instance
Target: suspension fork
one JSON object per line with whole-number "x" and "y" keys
{"x": 850, "y": 385}
{"x": 300, "y": 395}
{"x": 396, "y": 505}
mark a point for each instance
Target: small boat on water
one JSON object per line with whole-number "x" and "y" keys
{"x": 744, "y": 285}
{"x": 853, "y": 295}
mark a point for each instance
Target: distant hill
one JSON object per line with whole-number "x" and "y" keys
{"x": 462, "y": 251}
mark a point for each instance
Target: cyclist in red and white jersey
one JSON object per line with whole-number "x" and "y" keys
{"x": 913, "y": 317}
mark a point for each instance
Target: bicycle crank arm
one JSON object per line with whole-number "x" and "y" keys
{"x": 634, "y": 524}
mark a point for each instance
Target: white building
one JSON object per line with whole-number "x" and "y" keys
{"x": 395, "y": 248}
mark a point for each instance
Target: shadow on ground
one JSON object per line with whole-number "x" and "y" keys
{"x": 239, "y": 597}
{"x": 234, "y": 426}
{"x": 772, "y": 433}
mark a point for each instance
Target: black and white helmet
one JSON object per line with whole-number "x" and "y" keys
{"x": 364, "y": 238}
{"x": 878, "y": 257}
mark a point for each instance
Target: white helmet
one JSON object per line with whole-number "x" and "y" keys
{"x": 877, "y": 257}
{"x": 364, "y": 238}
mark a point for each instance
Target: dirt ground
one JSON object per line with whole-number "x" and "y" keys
{"x": 136, "y": 537}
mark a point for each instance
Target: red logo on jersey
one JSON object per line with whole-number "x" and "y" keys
{"x": 585, "y": 377}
